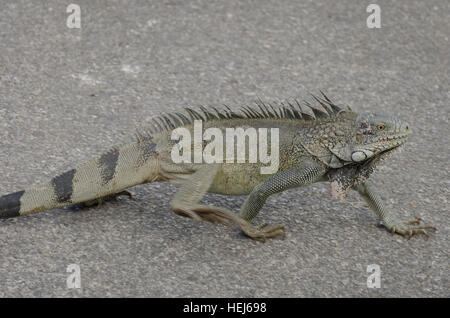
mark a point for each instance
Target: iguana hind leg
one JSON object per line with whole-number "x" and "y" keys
{"x": 185, "y": 203}
{"x": 390, "y": 221}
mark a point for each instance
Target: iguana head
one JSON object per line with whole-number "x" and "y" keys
{"x": 374, "y": 137}
{"x": 372, "y": 134}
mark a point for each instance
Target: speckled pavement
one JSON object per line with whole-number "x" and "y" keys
{"x": 68, "y": 94}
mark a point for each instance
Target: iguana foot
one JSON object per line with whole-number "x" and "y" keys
{"x": 220, "y": 215}
{"x": 261, "y": 231}
{"x": 204, "y": 213}
{"x": 99, "y": 201}
{"x": 256, "y": 232}
{"x": 410, "y": 228}
{"x": 122, "y": 193}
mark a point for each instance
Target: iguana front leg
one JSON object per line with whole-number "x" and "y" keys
{"x": 292, "y": 178}
{"x": 389, "y": 220}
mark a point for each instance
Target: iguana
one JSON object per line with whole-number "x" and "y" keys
{"x": 332, "y": 144}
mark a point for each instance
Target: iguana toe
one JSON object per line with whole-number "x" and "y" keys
{"x": 204, "y": 213}
{"x": 122, "y": 193}
{"x": 411, "y": 228}
{"x": 262, "y": 231}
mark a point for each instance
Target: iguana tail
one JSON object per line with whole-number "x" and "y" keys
{"x": 115, "y": 170}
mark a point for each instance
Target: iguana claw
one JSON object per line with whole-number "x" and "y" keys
{"x": 410, "y": 228}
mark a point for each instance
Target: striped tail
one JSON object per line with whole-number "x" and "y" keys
{"x": 10, "y": 204}
{"x": 115, "y": 170}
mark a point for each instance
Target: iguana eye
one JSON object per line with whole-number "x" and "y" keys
{"x": 381, "y": 126}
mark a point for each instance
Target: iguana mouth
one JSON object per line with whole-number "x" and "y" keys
{"x": 393, "y": 143}
{"x": 389, "y": 138}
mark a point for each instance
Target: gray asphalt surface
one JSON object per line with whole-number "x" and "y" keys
{"x": 68, "y": 94}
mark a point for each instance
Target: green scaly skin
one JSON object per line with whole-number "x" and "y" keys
{"x": 335, "y": 145}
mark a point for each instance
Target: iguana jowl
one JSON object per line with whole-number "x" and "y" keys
{"x": 336, "y": 145}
